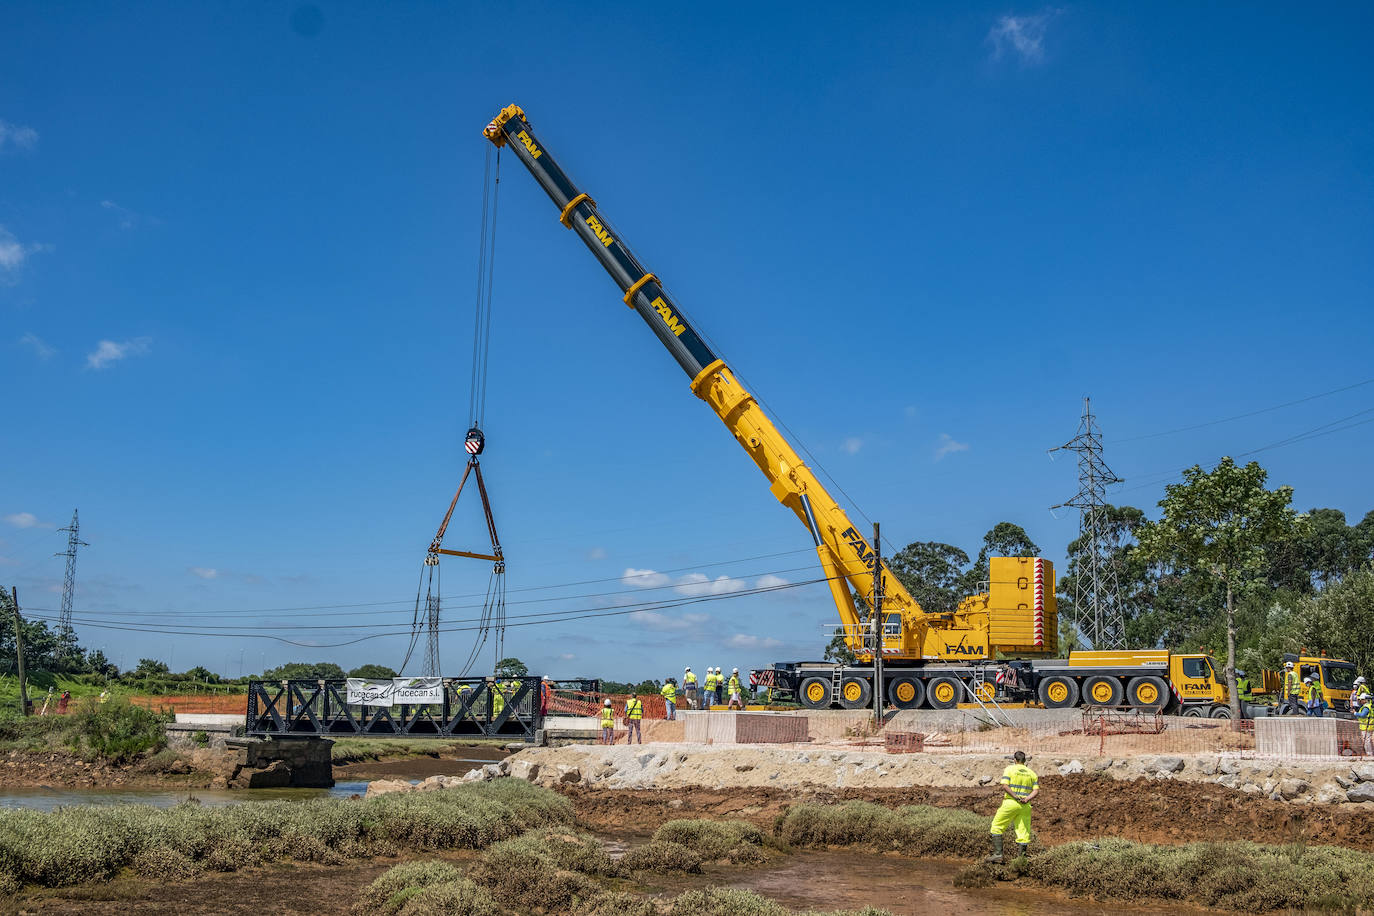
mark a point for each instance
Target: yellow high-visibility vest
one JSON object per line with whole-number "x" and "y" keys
{"x": 734, "y": 683}
{"x": 607, "y": 717}
{"x": 1366, "y": 717}
{"x": 1020, "y": 780}
{"x": 669, "y": 693}
{"x": 689, "y": 678}
{"x": 634, "y": 709}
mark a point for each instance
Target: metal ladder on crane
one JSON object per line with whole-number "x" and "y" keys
{"x": 980, "y": 677}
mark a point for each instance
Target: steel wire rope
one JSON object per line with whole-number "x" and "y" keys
{"x": 1242, "y": 416}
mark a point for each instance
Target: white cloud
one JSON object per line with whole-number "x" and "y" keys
{"x": 128, "y": 219}
{"x": 852, "y": 445}
{"x": 644, "y": 578}
{"x": 40, "y": 347}
{"x": 771, "y": 581}
{"x": 596, "y": 553}
{"x": 13, "y": 253}
{"x": 948, "y": 446}
{"x": 1023, "y": 35}
{"x": 675, "y": 623}
{"x": 567, "y": 656}
{"x": 745, "y": 641}
{"x": 695, "y": 585}
{"x": 26, "y": 520}
{"x": 203, "y": 572}
{"x": 17, "y": 136}
{"x": 109, "y": 352}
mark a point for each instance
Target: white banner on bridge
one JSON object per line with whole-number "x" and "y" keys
{"x": 418, "y": 690}
{"x": 364, "y": 691}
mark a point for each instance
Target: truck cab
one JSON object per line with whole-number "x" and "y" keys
{"x": 1336, "y": 676}
{"x": 1198, "y": 684}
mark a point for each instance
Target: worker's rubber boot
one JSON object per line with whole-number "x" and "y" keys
{"x": 996, "y": 858}
{"x": 1023, "y": 850}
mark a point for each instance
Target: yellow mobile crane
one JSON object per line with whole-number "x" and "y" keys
{"x": 1017, "y": 614}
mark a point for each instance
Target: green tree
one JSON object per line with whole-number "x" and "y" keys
{"x": 1005, "y": 539}
{"x": 837, "y": 650}
{"x": 511, "y": 667}
{"x": 1338, "y": 621}
{"x": 1219, "y": 521}
{"x": 151, "y": 667}
{"x": 305, "y": 671}
{"x": 933, "y": 572}
{"x": 97, "y": 663}
{"x": 374, "y": 671}
{"x": 202, "y": 674}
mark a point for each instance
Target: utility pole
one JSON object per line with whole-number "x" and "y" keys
{"x": 19, "y": 651}
{"x": 1096, "y": 593}
{"x": 878, "y": 629}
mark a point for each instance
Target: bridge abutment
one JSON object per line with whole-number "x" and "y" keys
{"x": 279, "y": 763}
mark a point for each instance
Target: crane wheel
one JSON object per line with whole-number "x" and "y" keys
{"x": 983, "y": 690}
{"x": 1148, "y": 694}
{"x": 905, "y": 692}
{"x": 1058, "y": 692}
{"x": 815, "y": 693}
{"x": 1102, "y": 691}
{"x": 855, "y": 693}
{"x": 944, "y": 692}
{"x": 1194, "y": 712}
{"x": 1219, "y": 712}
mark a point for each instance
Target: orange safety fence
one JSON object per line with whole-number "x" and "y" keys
{"x": 582, "y": 703}
{"x": 224, "y": 705}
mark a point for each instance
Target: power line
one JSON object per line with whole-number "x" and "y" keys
{"x": 1252, "y": 413}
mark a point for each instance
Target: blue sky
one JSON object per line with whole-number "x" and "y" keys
{"x": 238, "y": 249}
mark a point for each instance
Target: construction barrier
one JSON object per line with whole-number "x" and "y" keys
{"x": 221, "y": 704}
{"x": 903, "y": 742}
{"x": 585, "y": 703}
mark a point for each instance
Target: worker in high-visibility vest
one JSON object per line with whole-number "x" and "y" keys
{"x": 1243, "y": 688}
{"x": 736, "y": 691}
{"x": 607, "y": 723}
{"x": 1365, "y": 716}
{"x": 1018, "y": 786}
{"x": 709, "y": 696}
{"x": 689, "y": 687}
{"x": 545, "y": 694}
{"x": 498, "y": 698}
{"x": 634, "y": 713}
{"x": 1359, "y": 693}
{"x": 1316, "y": 702}
{"x": 1292, "y": 690}
{"x": 720, "y": 685}
{"x": 669, "y": 693}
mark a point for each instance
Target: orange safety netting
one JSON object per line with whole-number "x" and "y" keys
{"x": 225, "y": 705}
{"x": 580, "y": 703}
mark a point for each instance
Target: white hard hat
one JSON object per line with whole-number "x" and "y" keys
{"x": 736, "y": 670}
{"x": 688, "y": 668}
{"x": 1307, "y": 680}
{"x": 607, "y": 703}
{"x": 1360, "y": 679}
{"x": 1288, "y": 664}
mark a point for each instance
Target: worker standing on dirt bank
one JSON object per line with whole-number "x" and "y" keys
{"x": 1019, "y": 785}
{"x": 689, "y": 687}
{"x": 1313, "y": 694}
{"x": 736, "y": 697}
{"x": 634, "y": 713}
{"x": 607, "y": 723}
{"x": 669, "y": 692}
{"x": 720, "y": 686}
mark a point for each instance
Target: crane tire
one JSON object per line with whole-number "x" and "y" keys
{"x": 855, "y": 693}
{"x": 1194, "y": 712}
{"x": 815, "y": 693}
{"x": 944, "y": 692}
{"x": 906, "y": 692}
{"x": 1219, "y": 712}
{"x": 1058, "y": 692}
{"x": 1147, "y": 693}
{"x": 1103, "y": 690}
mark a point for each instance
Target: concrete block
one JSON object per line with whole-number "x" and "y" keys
{"x": 1298, "y": 736}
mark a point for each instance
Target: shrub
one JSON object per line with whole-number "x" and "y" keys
{"x": 662, "y": 856}
{"x": 736, "y": 841}
{"x": 163, "y": 863}
{"x": 916, "y": 830}
{"x": 385, "y": 895}
{"x": 717, "y": 901}
{"x": 202, "y": 738}
{"x": 529, "y": 882}
{"x": 118, "y": 731}
{"x": 561, "y": 848}
{"x": 620, "y": 903}
{"x": 456, "y": 898}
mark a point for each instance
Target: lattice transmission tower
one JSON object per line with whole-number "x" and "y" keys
{"x": 64, "y": 625}
{"x": 1096, "y": 592}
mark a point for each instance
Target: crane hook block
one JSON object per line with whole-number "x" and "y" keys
{"x": 474, "y": 442}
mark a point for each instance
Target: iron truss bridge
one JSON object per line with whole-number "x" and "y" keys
{"x": 471, "y": 707}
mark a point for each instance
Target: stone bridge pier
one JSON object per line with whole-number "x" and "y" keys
{"x": 281, "y": 762}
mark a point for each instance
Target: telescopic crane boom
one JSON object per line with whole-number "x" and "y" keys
{"x": 974, "y": 631}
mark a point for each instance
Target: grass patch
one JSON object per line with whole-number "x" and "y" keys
{"x": 915, "y": 830}
{"x": 89, "y": 843}
{"x": 115, "y": 731}
{"x": 738, "y": 842}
